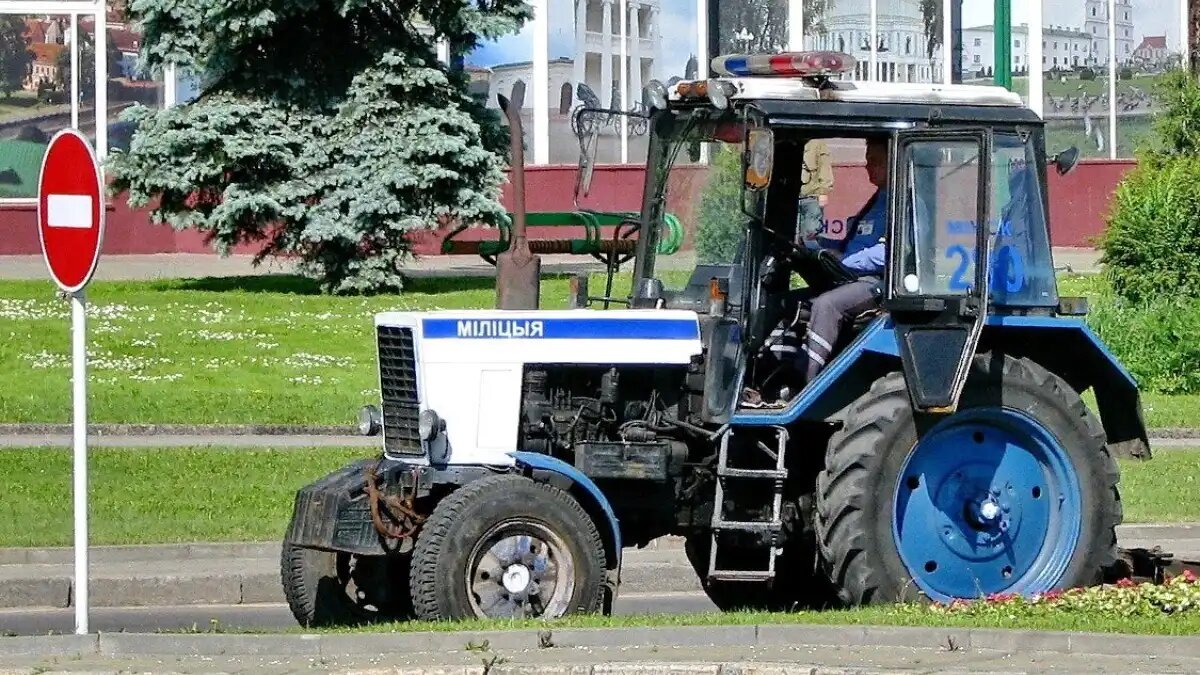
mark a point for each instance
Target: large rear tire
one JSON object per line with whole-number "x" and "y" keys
{"x": 1016, "y": 492}
{"x": 506, "y": 546}
{"x": 327, "y": 588}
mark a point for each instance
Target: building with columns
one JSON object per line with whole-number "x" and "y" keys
{"x": 902, "y": 53}
{"x": 597, "y": 57}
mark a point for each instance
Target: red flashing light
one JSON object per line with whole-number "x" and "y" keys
{"x": 786, "y": 64}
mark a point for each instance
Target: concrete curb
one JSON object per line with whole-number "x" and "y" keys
{"x": 331, "y": 645}
{"x": 254, "y": 588}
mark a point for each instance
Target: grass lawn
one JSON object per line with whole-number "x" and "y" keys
{"x": 268, "y": 350}
{"x": 152, "y": 496}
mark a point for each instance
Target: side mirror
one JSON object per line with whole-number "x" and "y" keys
{"x": 1066, "y": 161}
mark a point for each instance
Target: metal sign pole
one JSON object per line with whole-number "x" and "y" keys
{"x": 79, "y": 386}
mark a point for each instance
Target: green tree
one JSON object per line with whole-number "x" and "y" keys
{"x": 1151, "y": 246}
{"x": 721, "y": 226}
{"x": 16, "y": 60}
{"x": 324, "y": 129}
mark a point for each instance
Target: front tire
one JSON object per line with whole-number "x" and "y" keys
{"x": 1016, "y": 492}
{"x": 328, "y": 588}
{"x": 506, "y": 546}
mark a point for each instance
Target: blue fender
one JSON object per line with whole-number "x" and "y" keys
{"x": 612, "y": 533}
{"x": 1065, "y": 345}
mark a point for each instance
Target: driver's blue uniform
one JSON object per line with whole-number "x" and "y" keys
{"x": 863, "y": 252}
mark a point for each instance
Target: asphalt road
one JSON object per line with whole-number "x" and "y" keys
{"x": 261, "y": 617}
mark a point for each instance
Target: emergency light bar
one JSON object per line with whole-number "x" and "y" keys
{"x": 785, "y": 64}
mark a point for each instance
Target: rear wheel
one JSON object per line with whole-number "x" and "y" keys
{"x": 508, "y": 547}
{"x": 1016, "y": 492}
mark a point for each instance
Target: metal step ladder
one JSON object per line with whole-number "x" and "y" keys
{"x": 777, "y": 476}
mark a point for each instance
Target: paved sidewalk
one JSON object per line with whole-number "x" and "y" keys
{"x": 188, "y": 265}
{"x": 191, "y": 265}
{"x": 232, "y": 574}
{"x": 697, "y": 650}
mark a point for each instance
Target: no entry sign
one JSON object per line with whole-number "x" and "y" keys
{"x": 70, "y": 210}
{"x": 71, "y": 225}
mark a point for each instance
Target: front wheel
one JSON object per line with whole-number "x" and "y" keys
{"x": 1016, "y": 492}
{"x": 329, "y": 588}
{"x": 506, "y": 546}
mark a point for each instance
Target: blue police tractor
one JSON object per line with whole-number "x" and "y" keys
{"x": 895, "y": 414}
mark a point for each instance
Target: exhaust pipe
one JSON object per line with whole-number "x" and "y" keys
{"x": 518, "y": 270}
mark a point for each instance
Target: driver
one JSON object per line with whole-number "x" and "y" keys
{"x": 862, "y": 252}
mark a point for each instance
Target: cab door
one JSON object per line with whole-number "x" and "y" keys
{"x": 938, "y": 258}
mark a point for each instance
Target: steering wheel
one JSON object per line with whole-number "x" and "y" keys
{"x": 821, "y": 262}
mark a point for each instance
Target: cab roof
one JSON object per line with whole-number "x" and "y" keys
{"x": 851, "y": 91}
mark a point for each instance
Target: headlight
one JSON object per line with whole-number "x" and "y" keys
{"x": 370, "y": 420}
{"x": 428, "y": 425}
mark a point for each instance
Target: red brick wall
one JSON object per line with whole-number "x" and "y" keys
{"x": 1079, "y": 203}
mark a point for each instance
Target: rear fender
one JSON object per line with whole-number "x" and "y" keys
{"x": 1067, "y": 347}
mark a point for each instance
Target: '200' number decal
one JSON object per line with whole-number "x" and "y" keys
{"x": 1006, "y": 259}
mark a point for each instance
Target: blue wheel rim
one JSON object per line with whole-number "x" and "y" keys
{"x": 987, "y": 502}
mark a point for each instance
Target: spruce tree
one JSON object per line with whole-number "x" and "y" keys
{"x": 325, "y": 130}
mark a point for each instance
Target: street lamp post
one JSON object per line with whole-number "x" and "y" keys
{"x": 1003, "y": 66}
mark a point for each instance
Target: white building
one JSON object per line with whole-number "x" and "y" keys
{"x": 1095, "y": 24}
{"x": 1061, "y": 48}
{"x": 902, "y": 52}
{"x": 597, "y": 57}
{"x": 501, "y": 79}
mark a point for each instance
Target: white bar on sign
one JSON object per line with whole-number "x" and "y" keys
{"x": 69, "y": 211}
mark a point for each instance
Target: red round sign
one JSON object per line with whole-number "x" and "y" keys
{"x": 70, "y": 210}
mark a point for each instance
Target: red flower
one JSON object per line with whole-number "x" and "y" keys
{"x": 1125, "y": 583}
{"x": 1189, "y": 576}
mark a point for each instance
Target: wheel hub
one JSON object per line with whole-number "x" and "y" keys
{"x": 1003, "y": 499}
{"x": 516, "y": 578}
{"x": 521, "y": 570}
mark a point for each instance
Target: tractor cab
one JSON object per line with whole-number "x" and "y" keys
{"x": 952, "y": 157}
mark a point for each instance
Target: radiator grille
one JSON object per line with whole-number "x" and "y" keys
{"x": 398, "y": 385}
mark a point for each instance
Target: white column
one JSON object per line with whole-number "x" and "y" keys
{"x": 1185, "y": 34}
{"x": 874, "y": 60}
{"x": 74, "y": 47}
{"x": 795, "y": 25}
{"x": 100, "y": 42}
{"x": 657, "y": 71}
{"x": 170, "y": 86}
{"x": 580, "y": 58}
{"x": 624, "y": 90}
{"x": 541, "y": 84}
{"x": 947, "y": 43}
{"x": 1034, "y": 62}
{"x": 606, "y": 75}
{"x": 635, "y": 56}
{"x": 1112, "y": 79}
